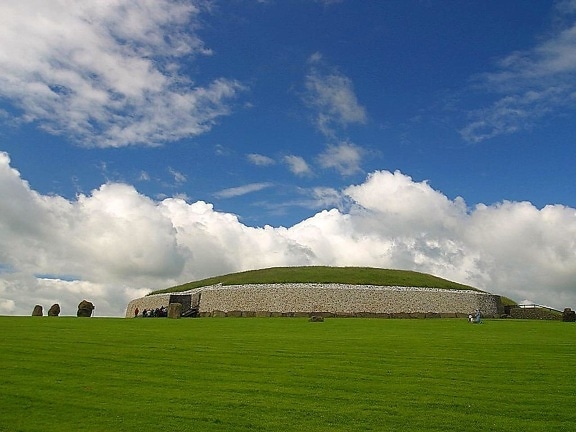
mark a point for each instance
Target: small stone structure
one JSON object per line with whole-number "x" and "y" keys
{"x": 85, "y": 309}
{"x": 38, "y": 311}
{"x": 329, "y": 300}
{"x": 54, "y": 310}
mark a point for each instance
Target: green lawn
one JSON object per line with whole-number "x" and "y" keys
{"x": 285, "y": 374}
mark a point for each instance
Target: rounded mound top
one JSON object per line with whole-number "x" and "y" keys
{"x": 324, "y": 275}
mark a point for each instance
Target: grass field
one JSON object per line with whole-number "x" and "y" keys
{"x": 286, "y": 374}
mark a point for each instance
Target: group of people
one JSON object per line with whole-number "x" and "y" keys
{"x": 160, "y": 312}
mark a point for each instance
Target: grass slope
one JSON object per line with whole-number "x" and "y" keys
{"x": 323, "y": 274}
{"x": 103, "y": 374}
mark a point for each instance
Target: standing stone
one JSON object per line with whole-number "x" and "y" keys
{"x": 85, "y": 309}
{"x": 569, "y": 315}
{"x": 37, "y": 311}
{"x": 54, "y": 310}
{"x": 174, "y": 310}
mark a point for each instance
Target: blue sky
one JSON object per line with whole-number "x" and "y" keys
{"x": 257, "y": 128}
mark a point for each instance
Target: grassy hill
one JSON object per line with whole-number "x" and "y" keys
{"x": 323, "y": 274}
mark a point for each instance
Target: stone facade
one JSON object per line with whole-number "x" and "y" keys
{"x": 301, "y": 299}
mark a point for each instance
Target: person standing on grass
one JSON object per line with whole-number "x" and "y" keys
{"x": 478, "y": 317}
{"x": 136, "y": 312}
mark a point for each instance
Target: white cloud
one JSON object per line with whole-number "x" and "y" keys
{"x": 220, "y": 150}
{"x": 331, "y": 95}
{"x": 144, "y": 176}
{"x": 115, "y": 244}
{"x": 110, "y": 239}
{"x": 242, "y": 190}
{"x": 260, "y": 160}
{"x": 298, "y": 165}
{"x": 179, "y": 178}
{"x": 105, "y": 73}
{"x": 326, "y": 197}
{"x": 345, "y": 158}
{"x": 566, "y": 8}
{"x": 529, "y": 85}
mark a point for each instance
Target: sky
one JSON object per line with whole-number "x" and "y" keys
{"x": 148, "y": 143}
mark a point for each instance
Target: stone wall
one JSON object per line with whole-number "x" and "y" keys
{"x": 534, "y": 313}
{"x": 331, "y": 300}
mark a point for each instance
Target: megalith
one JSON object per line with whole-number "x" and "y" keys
{"x": 569, "y": 315}
{"x": 38, "y": 311}
{"x": 85, "y": 309}
{"x": 54, "y": 310}
{"x": 174, "y": 310}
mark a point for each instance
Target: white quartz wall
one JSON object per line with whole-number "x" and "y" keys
{"x": 343, "y": 299}
{"x": 330, "y": 298}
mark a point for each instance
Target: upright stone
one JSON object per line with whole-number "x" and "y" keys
{"x": 54, "y": 310}
{"x": 569, "y": 315}
{"x": 37, "y": 311}
{"x": 174, "y": 310}
{"x": 85, "y": 309}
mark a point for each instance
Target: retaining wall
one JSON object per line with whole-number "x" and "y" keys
{"x": 331, "y": 300}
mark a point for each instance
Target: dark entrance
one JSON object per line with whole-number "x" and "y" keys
{"x": 185, "y": 300}
{"x": 190, "y": 303}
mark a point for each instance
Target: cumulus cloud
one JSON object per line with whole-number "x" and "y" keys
{"x": 116, "y": 244}
{"x": 298, "y": 166}
{"x": 108, "y": 240}
{"x": 260, "y": 160}
{"x": 345, "y": 158}
{"x": 105, "y": 73}
{"x": 331, "y": 95}
{"x": 529, "y": 85}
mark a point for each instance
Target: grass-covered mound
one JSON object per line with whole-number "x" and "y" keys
{"x": 324, "y": 274}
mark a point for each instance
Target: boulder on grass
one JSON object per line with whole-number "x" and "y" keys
{"x": 54, "y": 310}
{"x": 85, "y": 309}
{"x": 569, "y": 315}
{"x": 174, "y": 310}
{"x": 38, "y": 311}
